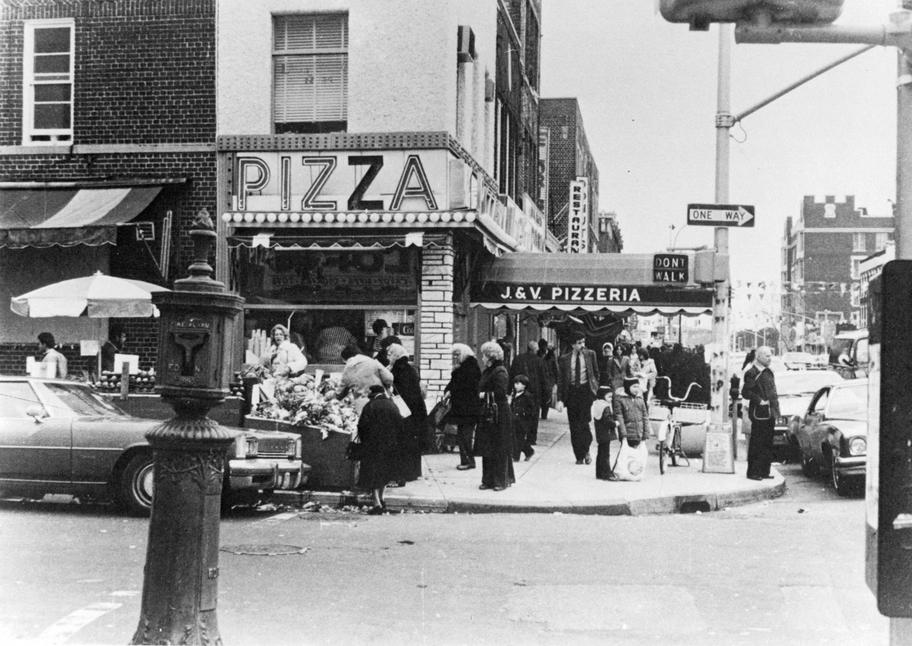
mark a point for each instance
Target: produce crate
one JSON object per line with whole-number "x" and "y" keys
{"x": 329, "y": 468}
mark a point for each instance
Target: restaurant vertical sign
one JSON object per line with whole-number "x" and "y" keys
{"x": 578, "y": 216}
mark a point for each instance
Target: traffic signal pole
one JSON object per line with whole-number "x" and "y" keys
{"x": 722, "y": 297}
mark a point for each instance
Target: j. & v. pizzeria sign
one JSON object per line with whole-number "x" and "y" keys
{"x": 496, "y": 292}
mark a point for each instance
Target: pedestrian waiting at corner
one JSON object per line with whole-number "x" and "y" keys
{"x": 465, "y": 406}
{"x": 494, "y": 435}
{"x": 578, "y": 382}
{"x": 525, "y": 417}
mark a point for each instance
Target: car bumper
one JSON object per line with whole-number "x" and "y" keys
{"x": 260, "y": 473}
{"x": 851, "y": 466}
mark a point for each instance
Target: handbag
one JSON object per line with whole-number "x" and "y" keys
{"x": 489, "y": 410}
{"x": 762, "y": 412}
{"x": 630, "y": 463}
{"x": 354, "y": 451}
{"x": 440, "y": 411}
{"x": 404, "y": 410}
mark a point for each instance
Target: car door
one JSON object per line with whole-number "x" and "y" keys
{"x": 812, "y": 431}
{"x": 32, "y": 449}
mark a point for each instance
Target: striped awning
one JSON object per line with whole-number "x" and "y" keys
{"x": 66, "y": 217}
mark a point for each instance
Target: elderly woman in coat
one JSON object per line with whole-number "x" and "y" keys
{"x": 464, "y": 403}
{"x": 408, "y": 385}
{"x": 379, "y": 428}
{"x": 494, "y": 438}
{"x": 285, "y": 359}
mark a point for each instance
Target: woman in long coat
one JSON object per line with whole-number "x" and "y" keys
{"x": 494, "y": 440}
{"x": 464, "y": 403}
{"x": 379, "y": 428}
{"x": 408, "y": 385}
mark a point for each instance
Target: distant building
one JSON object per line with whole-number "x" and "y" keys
{"x": 821, "y": 257}
{"x": 609, "y": 239}
{"x": 870, "y": 268}
{"x": 569, "y": 158}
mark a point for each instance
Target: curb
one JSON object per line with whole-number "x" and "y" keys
{"x": 671, "y": 504}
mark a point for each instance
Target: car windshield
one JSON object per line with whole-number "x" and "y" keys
{"x": 849, "y": 402}
{"x": 82, "y": 401}
{"x": 804, "y": 383}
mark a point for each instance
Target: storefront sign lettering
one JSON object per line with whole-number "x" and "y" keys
{"x": 309, "y": 182}
{"x": 496, "y": 292}
{"x": 578, "y": 216}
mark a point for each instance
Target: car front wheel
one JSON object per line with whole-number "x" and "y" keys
{"x": 840, "y": 484}
{"x": 136, "y": 485}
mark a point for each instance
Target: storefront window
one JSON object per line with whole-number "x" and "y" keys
{"x": 323, "y": 333}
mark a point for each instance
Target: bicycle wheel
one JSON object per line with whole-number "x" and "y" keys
{"x": 662, "y": 451}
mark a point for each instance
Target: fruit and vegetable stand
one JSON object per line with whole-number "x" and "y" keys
{"x": 299, "y": 405}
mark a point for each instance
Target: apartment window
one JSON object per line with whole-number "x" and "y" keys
{"x": 310, "y": 73}
{"x": 855, "y": 271}
{"x": 47, "y": 67}
{"x": 880, "y": 241}
{"x": 858, "y": 242}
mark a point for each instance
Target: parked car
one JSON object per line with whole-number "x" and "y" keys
{"x": 61, "y": 436}
{"x": 833, "y": 433}
{"x": 795, "y": 389}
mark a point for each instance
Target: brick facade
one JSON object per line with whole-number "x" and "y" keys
{"x": 143, "y": 109}
{"x": 436, "y": 317}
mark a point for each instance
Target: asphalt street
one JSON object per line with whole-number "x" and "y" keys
{"x": 782, "y": 571}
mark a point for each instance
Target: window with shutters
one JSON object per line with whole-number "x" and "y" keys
{"x": 47, "y": 69}
{"x": 310, "y": 73}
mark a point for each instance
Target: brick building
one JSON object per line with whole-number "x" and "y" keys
{"x": 354, "y": 186}
{"x": 821, "y": 255}
{"x": 107, "y": 131}
{"x": 569, "y": 157}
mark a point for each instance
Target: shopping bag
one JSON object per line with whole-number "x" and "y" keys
{"x": 404, "y": 410}
{"x": 630, "y": 463}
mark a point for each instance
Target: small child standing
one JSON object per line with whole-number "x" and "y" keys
{"x": 525, "y": 415}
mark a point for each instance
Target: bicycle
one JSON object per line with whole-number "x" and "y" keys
{"x": 679, "y": 412}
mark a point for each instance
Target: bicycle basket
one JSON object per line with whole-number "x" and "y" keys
{"x": 690, "y": 413}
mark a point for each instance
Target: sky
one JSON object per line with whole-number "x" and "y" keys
{"x": 647, "y": 90}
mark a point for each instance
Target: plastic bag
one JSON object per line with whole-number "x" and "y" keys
{"x": 631, "y": 462}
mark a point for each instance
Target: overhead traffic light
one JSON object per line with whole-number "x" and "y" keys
{"x": 700, "y": 13}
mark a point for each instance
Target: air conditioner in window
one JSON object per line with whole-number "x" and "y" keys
{"x": 465, "y": 45}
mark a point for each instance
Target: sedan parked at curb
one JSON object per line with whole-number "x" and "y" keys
{"x": 833, "y": 434}
{"x": 60, "y": 436}
{"x": 795, "y": 389}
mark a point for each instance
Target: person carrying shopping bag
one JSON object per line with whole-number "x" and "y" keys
{"x": 631, "y": 418}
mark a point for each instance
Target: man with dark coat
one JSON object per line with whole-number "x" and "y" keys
{"x": 762, "y": 410}
{"x": 577, "y": 384}
{"x": 531, "y": 365}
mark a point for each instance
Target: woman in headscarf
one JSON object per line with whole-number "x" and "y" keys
{"x": 285, "y": 359}
{"x": 494, "y": 437}
{"x": 379, "y": 428}
{"x": 464, "y": 403}
{"x": 408, "y": 385}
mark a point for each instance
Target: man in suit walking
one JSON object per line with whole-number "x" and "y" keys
{"x": 577, "y": 384}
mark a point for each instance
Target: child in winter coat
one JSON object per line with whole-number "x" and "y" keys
{"x": 525, "y": 415}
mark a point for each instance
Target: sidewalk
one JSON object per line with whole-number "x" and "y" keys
{"x": 552, "y": 482}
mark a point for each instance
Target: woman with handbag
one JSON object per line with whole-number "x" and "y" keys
{"x": 464, "y": 403}
{"x": 408, "y": 385}
{"x": 379, "y": 428}
{"x": 494, "y": 436}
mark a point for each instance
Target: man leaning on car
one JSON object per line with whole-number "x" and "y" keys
{"x": 763, "y": 409}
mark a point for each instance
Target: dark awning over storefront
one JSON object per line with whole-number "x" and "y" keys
{"x": 65, "y": 217}
{"x": 589, "y": 282}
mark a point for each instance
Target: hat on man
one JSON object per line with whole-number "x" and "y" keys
{"x": 629, "y": 382}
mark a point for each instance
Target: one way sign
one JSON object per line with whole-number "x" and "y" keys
{"x": 721, "y": 215}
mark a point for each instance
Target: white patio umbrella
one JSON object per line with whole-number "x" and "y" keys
{"x": 96, "y": 296}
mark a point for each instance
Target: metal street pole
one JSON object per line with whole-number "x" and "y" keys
{"x": 721, "y": 301}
